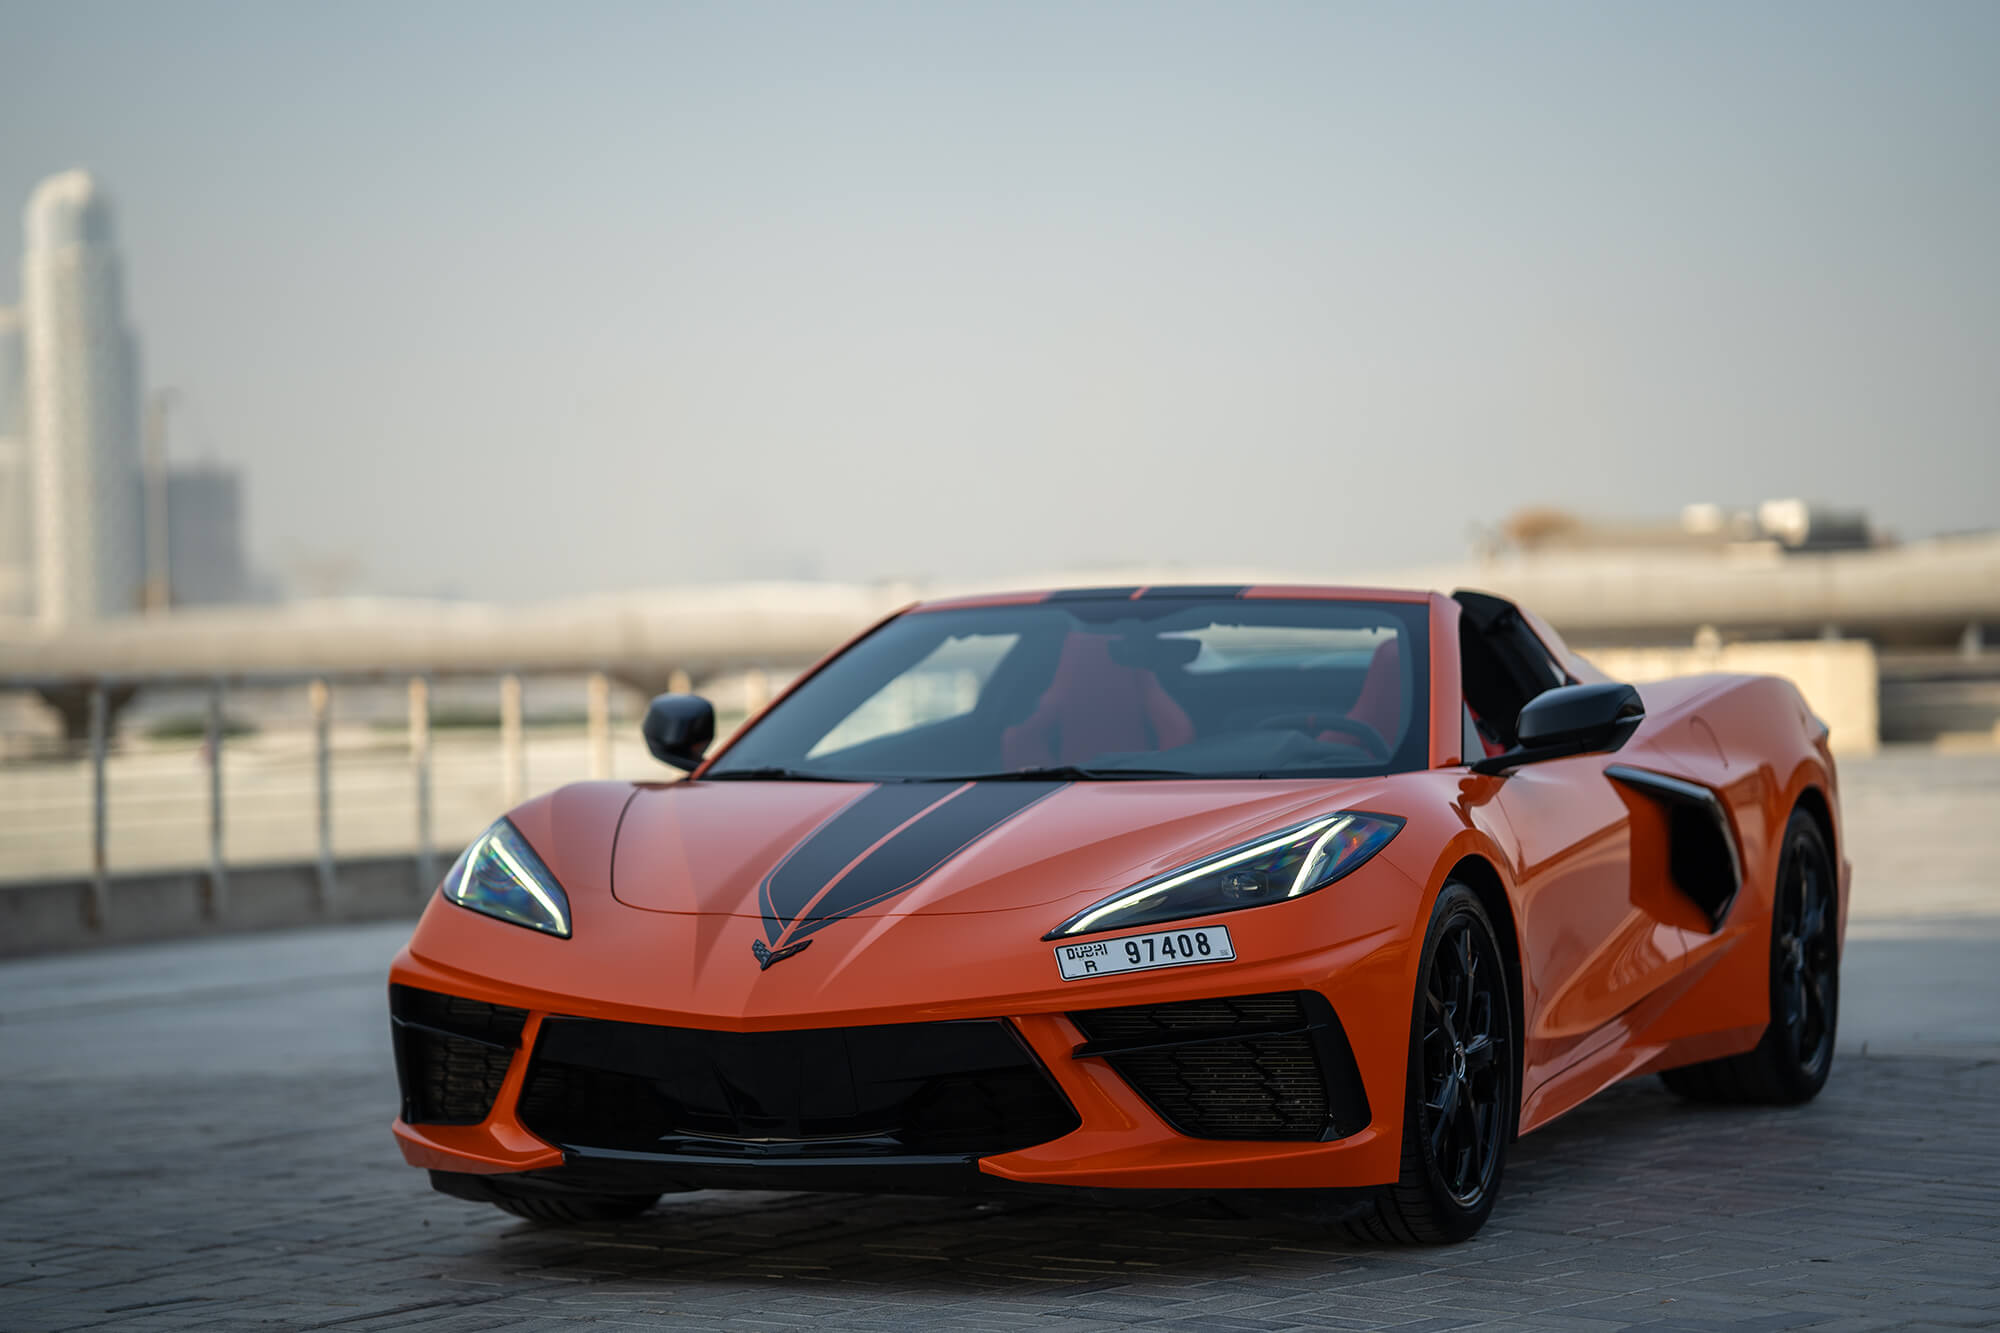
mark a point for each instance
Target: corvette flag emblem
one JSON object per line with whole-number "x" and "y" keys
{"x": 766, "y": 955}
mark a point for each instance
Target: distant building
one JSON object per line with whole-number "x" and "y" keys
{"x": 82, "y": 389}
{"x": 205, "y": 564}
{"x": 1780, "y": 525}
{"x": 17, "y": 536}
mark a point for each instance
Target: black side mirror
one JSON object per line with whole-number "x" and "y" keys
{"x": 678, "y": 729}
{"x": 1571, "y": 719}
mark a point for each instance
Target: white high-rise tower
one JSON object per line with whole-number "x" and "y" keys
{"x": 17, "y": 540}
{"x": 82, "y": 387}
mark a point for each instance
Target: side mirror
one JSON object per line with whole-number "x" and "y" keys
{"x": 1571, "y": 719}
{"x": 678, "y": 729}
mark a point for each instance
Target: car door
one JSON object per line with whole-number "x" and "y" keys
{"x": 1596, "y": 939}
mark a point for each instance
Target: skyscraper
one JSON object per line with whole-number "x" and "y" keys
{"x": 82, "y": 386}
{"x": 17, "y": 541}
{"x": 205, "y": 535}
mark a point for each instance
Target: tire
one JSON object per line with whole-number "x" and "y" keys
{"x": 566, "y": 1210}
{"x": 1462, "y": 1099}
{"x": 1790, "y": 1063}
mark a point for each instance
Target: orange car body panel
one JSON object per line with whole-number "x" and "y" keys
{"x": 1620, "y": 972}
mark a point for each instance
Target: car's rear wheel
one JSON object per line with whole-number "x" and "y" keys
{"x": 1462, "y": 1099}
{"x": 566, "y": 1209}
{"x": 1790, "y": 1064}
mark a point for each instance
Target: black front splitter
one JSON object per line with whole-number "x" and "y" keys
{"x": 597, "y": 1172}
{"x": 609, "y": 1171}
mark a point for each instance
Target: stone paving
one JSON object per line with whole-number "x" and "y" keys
{"x": 276, "y": 1202}
{"x": 199, "y": 1140}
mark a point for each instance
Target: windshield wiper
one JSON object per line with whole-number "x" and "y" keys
{"x": 772, "y": 773}
{"x": 1051, "y": 773}
{"x": 1072, "y": 773}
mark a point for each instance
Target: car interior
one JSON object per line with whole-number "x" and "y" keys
{"x": 1214, "y": 688}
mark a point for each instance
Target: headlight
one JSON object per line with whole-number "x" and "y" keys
{"x": 500, "y": 875}
{"x": 1288, "y": 864}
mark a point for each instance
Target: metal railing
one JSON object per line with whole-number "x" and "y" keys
{"x": 319, "y": 687}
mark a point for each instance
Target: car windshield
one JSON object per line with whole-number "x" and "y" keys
{"x": 1111, "y": 687}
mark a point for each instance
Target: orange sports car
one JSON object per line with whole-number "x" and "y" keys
{"x": 1323, "y": 891}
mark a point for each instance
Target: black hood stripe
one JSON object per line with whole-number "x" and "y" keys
{"x": 874, "y": 849}
{"x": 837, "y": 843}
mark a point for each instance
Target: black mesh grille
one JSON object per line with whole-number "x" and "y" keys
{"x": 594, "y": 1108}
{"x": 954, "y": 1088}
{"x": 1192, "y": 1018}
{"x": 1232, "y": 1076}
{"x": 451, "y": 1054}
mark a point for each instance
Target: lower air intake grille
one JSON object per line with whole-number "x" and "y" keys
{"x": 1242, "y": 1067}
{"x": 451, "y": 1054}
{"x": 954, "y": 1088}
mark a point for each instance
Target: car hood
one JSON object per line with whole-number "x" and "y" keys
{"x": 800, "y": 854}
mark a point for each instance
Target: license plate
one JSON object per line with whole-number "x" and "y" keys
{"x": 1139, "y": 953}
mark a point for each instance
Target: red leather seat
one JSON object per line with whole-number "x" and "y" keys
{"x": 1094, "y": 706}
{"x": 1380, "y": 703}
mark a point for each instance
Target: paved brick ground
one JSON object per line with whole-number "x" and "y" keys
{"x": 198, "y": 1140}
{"x": 262, "y": 1202}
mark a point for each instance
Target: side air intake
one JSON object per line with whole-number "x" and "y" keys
{"x": 452, "y": 1054}
{"x": 1702, "y": 855}
{"x": 1272, "y": 1066}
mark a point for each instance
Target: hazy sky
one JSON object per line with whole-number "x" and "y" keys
{"x": 514, "y": 300}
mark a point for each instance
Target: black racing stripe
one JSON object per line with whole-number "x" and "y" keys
{"x": 1091, "y": 594}
{"x": 824, "y": 852}
{"x": 1196, "y": 591}
{"x": 903, "y": 862}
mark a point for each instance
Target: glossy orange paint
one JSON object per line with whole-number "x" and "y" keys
{"x": 1619, "y": 972}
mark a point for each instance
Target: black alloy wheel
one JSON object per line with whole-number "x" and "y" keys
{"x": 1791, "y": 1062}
{"x": 1462, "y": 1100}
{"x": 1465, "y": 1005}
{"x": 1805, "y": 958}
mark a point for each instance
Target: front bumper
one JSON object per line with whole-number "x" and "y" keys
{"x": 1351, "y": 954}
{"x": 1237, "y": 1092}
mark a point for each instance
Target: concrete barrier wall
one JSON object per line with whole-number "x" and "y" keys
{"x": 49, "y": 916}
{"x": 1838, "y": 677}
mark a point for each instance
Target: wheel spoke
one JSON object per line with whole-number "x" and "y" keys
{"x": 1442, "y": 1010}
{"x": 1442, "y": 1111}
{"x": 1488, "y": 1013}
{"x": 1799, "y": 901}
{"x": 1466, "y": 967}
{"x": 1477, "y": 1119}
{"x": 1468, "y": 1144}
{"x": 1446, "y": 1101}
{"x": 1478, "y": 1053}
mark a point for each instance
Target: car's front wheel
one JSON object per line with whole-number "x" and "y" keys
{"x": 1462, "y": 1099}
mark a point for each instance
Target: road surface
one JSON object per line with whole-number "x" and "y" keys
{"x": 198, "y": 1139}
